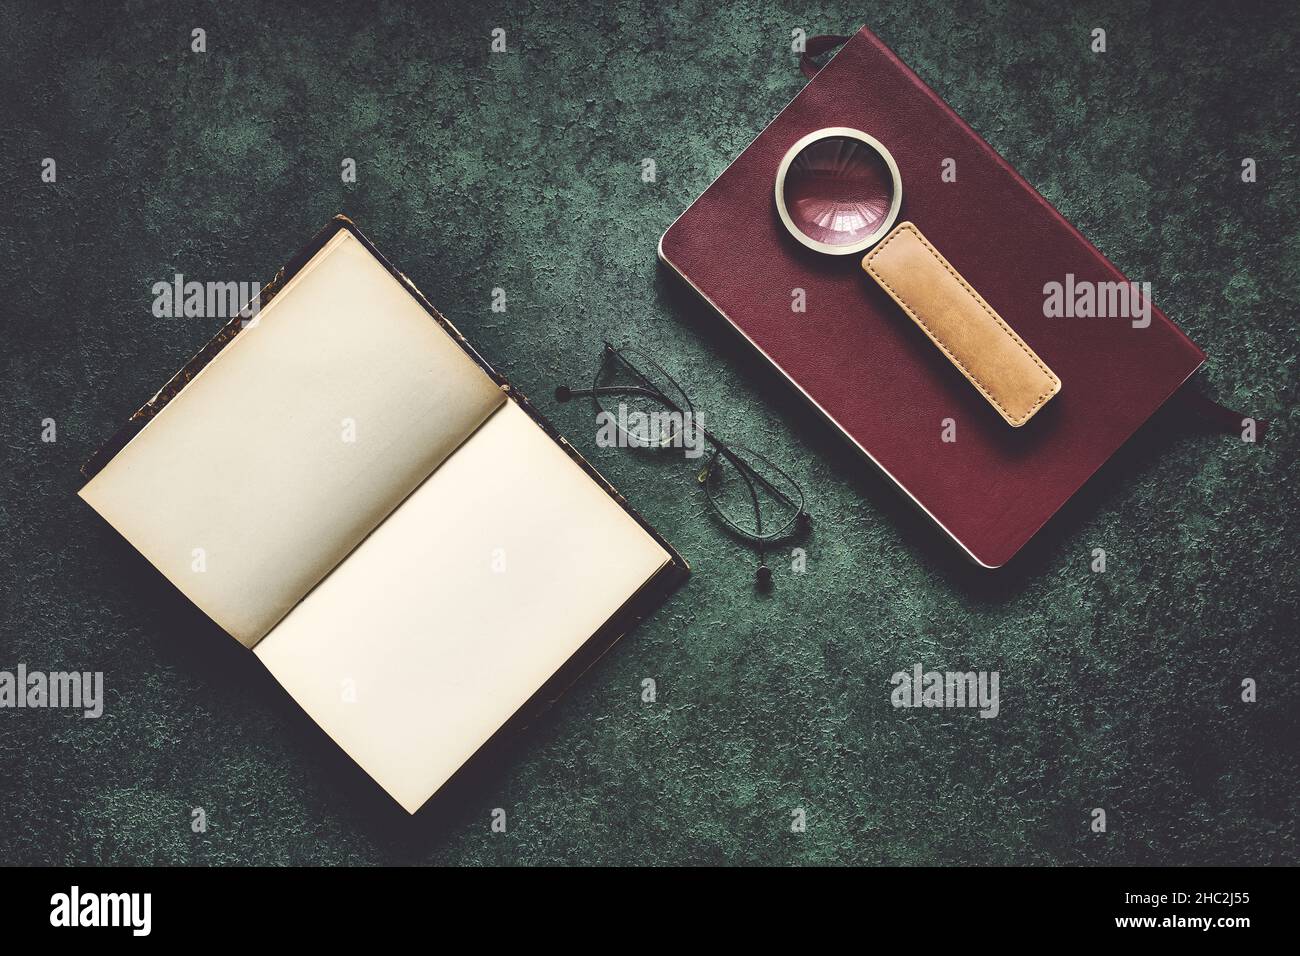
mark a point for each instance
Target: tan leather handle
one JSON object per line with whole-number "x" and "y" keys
{"x": 994, "y": 359}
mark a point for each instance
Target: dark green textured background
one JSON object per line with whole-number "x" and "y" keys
{"x": 522, "y": 171}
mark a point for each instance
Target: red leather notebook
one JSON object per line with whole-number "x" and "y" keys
{"x": 862, "y": 363}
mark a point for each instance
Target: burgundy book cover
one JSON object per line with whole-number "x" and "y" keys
{"x": 870, "y": 370}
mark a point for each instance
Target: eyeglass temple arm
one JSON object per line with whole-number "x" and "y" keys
{"x": 619, "y": 390}
{"x": 746, "y": 470}
{"x": 741, "y": 466}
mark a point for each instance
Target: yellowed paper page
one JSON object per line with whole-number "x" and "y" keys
{"x": 448, "y": 618}
{"x": 295, "y": 441}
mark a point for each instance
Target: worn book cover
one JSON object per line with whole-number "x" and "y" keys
{"x": 858, "y": 358}
{"x": 348, "y": 489}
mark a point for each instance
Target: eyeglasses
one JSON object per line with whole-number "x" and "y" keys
{"x": 640, "y": 405}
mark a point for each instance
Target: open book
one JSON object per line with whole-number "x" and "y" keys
{"x": 345, "y": 487}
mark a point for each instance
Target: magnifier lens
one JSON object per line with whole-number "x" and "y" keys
{"x": 838, "y": 191}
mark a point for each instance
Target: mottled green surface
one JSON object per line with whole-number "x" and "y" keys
{"x": 522, "y": 171}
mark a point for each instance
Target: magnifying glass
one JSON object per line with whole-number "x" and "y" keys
{"x": 839, "y": 192}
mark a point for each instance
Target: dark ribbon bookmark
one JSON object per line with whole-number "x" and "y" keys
{"x": 816, "y": 46}
{"x": 1196, "y": 407}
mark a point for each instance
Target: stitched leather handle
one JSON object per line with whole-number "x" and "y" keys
{"x": 987, "y": 351}
{"x": 816, "y": 46}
